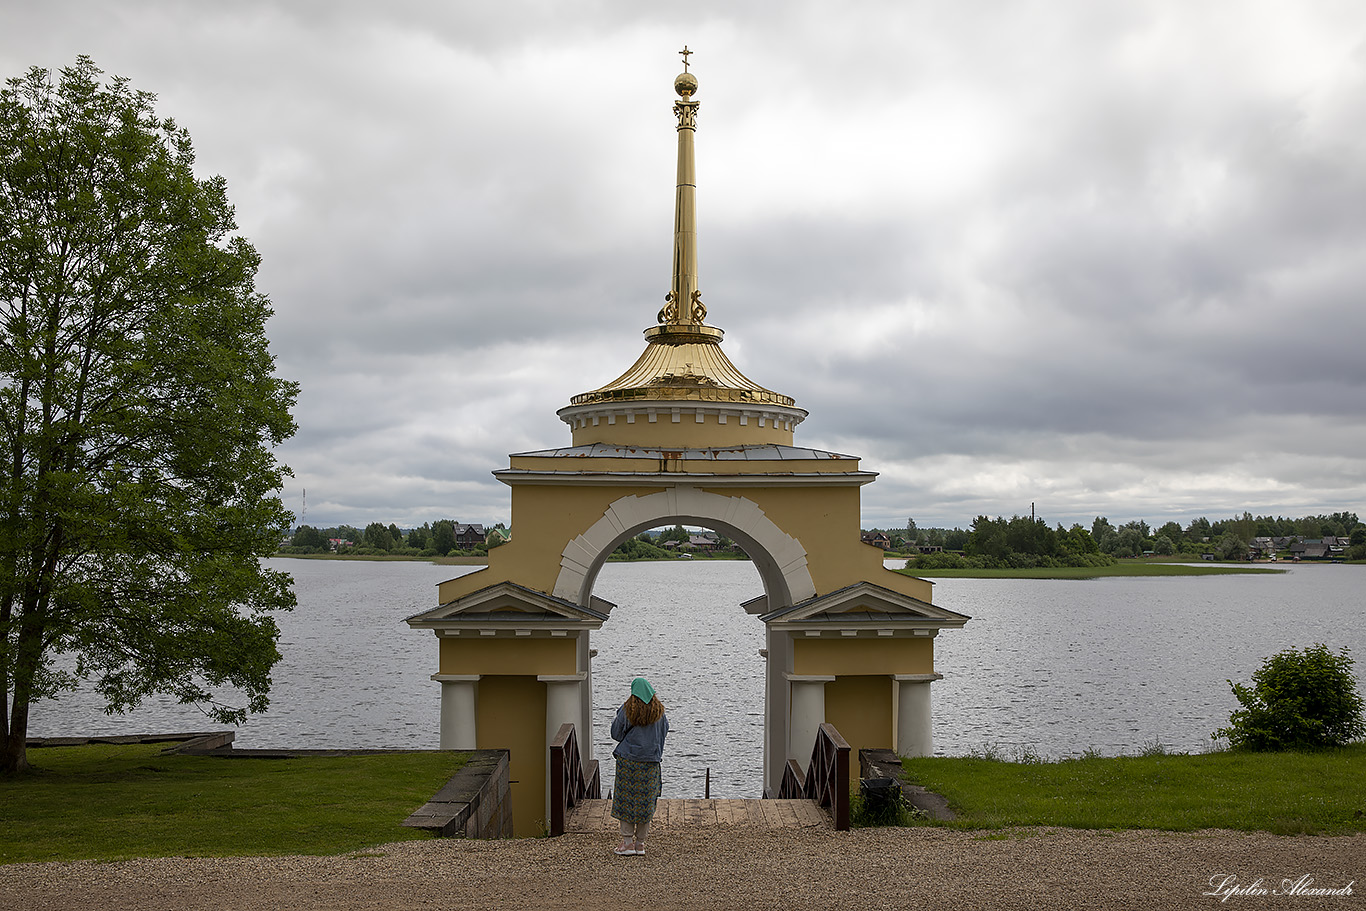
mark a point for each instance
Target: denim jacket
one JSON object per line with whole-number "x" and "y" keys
{"x": 644, "y": 744}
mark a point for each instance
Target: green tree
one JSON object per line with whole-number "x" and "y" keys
{"x": 1173, "y": 532}
{"x": 1231, "y": 547}
{"x": 677, "y": 533}
{"x": 1077, "y": 540}
{"x": 377, "y": 536}
{"x": 138, "y": 410}
{"x": 1104, "y": 534}
{"x": 1298, "y": 700}
{"x": 443, "y": 537}
{"x": 913, "y": 534}
{"x": 308, "y": 536}
{"x": 987, "y": 538}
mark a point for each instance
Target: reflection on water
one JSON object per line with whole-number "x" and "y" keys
{"x": 1056, "y": 667}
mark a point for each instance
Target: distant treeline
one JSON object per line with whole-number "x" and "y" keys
{"x": 1025, "y": 541}
{"x": 442, "y": 538}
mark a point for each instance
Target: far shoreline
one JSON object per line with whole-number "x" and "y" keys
{"x": 468, "y": 560}
{"x": 1125, "y": 568}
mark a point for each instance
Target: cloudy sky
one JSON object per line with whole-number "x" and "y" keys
{"x": 1108, "y": 258}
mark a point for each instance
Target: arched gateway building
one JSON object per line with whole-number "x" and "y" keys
{"x": 684, "y": 437}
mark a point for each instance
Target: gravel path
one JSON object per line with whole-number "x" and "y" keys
{"x": 884, "y": 869}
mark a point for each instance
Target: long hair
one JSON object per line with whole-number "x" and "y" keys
{"x": 641, "y": 714}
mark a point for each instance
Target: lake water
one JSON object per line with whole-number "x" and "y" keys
{"x": 1052, "y": 667}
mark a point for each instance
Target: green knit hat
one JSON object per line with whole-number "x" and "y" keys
{"x": 641, "y": 689}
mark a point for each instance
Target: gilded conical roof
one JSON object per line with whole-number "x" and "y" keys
{"x": 687, "y": 364}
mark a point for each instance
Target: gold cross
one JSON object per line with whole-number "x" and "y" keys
{"x": 686, "y": 53}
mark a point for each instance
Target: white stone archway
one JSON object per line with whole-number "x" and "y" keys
{"x": 779, "y": 557}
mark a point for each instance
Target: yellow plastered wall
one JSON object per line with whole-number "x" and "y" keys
{"x": 860, "y": 708}
{"x": 826, "y": 521}
{"x": 545, "y": 519}
{"x": 524, "y": 655}
{"x": 853, "y": 656}
{"x": 511, "y": 715}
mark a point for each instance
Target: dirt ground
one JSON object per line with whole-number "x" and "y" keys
{"x": 921, "y": 868}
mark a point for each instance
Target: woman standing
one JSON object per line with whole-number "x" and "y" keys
{"x": 639, "y": 729}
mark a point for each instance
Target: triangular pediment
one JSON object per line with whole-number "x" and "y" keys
{"x": 864, "y": 602}
{"x": 512, "y": 603}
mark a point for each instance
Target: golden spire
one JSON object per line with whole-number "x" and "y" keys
{"x": 683, "y": 304}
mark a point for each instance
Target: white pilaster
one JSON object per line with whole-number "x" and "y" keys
{"x": 914, "y": 731}
{"x": 807, "y": 714}
{"x": 564, "y": 704}
{"x": 777, "y": 657}
{"x": 459, "y": 702}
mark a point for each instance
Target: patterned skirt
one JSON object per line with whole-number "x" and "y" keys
{"x": 637, "y": 788}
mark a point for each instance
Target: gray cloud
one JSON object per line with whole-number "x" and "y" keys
{"x": 1100, "y": 257}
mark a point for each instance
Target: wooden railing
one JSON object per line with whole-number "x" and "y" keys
{"x": 570, "y": 780}
{"x": 826, "y": 781}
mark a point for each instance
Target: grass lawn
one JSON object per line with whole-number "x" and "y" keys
{"x": 105, "y": 802}
{"x": 1321, "y": 793}
{"x": 1135, "y": 568}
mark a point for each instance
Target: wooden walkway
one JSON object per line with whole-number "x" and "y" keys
{"x": 590, "y": 816}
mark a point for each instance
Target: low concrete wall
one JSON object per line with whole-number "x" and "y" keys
{"x": 886, "y": 764}
{"x": 193, "y": 742}
{"x": 475, "y": 803}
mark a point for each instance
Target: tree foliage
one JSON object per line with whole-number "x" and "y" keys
{"x": 1298, "y": 700}
{"x": 1024, "y": 542}
{"x": 636, "y": 549}
{"x": 138, "y": 408}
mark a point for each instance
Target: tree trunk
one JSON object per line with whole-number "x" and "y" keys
{"x": 27, "y": 658}
{"x": 14, "y": 758}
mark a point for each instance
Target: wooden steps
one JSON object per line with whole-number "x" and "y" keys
{"x": 590, "y": 816}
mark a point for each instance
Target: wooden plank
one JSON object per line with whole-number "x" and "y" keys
{"x": 695, "y": 813}
{"x": 789, "y": 813}
{"x": 593, "y": 816}
{"x": 731, "y": 813}
{"x": 812, "y": 816}
{"x": 577, "y": 821}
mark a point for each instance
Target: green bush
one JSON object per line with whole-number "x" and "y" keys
{"x": 1298, "y": 700}
{"x": 944, "y": 559}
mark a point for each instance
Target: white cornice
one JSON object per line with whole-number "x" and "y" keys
{"x": 764, "y": 415}
{"x": 512, "y": 476}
